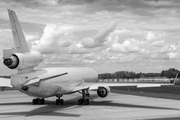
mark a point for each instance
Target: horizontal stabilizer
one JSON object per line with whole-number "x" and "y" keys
{"x": 5, "y": 82}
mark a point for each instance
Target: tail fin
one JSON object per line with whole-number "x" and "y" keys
{"x": 18, "y": 36}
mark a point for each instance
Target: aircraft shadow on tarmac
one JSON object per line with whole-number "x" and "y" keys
{"x": 50, "y": 109}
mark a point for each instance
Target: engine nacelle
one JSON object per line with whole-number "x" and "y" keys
{"x": 103, "y": 91}
{"x": 23, "y": 60}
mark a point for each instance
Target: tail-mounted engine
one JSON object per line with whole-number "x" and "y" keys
{"x": 103, "y": 91}
{"x": 23, "y": 60}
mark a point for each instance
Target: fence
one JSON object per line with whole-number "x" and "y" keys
{"x": 141, "y": 80}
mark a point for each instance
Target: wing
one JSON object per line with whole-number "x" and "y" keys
{"x": 40, "y": 78}
{"x": 93, "y": 86}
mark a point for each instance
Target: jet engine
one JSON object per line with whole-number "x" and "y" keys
{"x": 103, "y": 91}
{"x": 23, "y": 60}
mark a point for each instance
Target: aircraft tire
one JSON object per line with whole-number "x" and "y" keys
{"x": 41, "y": 101}
{"x": 80, "y": 101}
{"x": 34, "y": 101}
{"x": 88, "y": 95}
{"x": 61, "y": 101}
{"x": 57, "y": 101}
{"x": 86, "y": 102}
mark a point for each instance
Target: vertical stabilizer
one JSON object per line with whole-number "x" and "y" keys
{"x": 18, "y": 36}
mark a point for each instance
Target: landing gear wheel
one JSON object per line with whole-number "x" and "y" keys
{"x": 80, "y": 101}
{"x": 87, "y": 95}
{"x": 34, "y": 101}
{"x": 41, "y": 101}
{"x": 86, "y": 102}
{"x": 59, "y": 101}
{"x": 38, "y": 101}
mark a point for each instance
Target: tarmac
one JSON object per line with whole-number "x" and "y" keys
{"x": 117, "y": 106}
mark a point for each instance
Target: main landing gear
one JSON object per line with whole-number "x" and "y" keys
{"x": 38, "y": 101}
{"x": 59, "y": 101}
{"x": 85, "y": 98}
{"x": 83, "y": 101}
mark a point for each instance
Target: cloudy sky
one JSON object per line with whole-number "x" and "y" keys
{"x": 106, "y": 35}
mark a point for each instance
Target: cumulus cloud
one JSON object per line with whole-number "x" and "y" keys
{"x": 6, "y": 39}
{"x": 172, "y": 55}
{"x": 147, "y": 45}
{"x": 99, "y": 39}
{"x": 159, "y": 43}
{"x": 128, "y": 46}
{"x": 167, "y": 49}
{"x": 154, "y": 36}
{"x": 53, "y": 39}
{"x": 48, "y": 2}
{"x": 32, "y": 36}
{"x": 123, "y": 40}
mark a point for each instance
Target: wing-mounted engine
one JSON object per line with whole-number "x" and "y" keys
{"x": 23, "y": 60}
{"x": 103, "y": 91}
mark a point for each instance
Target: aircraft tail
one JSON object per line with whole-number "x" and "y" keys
{"x": 18, "y": 36}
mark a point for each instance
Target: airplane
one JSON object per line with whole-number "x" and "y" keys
{"x": 41, "y": 83}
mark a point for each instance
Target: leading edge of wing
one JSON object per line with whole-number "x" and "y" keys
{"x": 93, "y": 86}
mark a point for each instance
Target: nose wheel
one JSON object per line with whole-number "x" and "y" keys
{"x": 85, "y": 98}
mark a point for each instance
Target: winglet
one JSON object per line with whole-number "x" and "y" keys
{"x": 18, "y": 36}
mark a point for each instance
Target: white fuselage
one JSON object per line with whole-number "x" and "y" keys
{"x": 64, "y": 84}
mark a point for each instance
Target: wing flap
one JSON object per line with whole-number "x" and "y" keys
{"x": 148, "y": 85}
{"x": 32, "y": 81}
